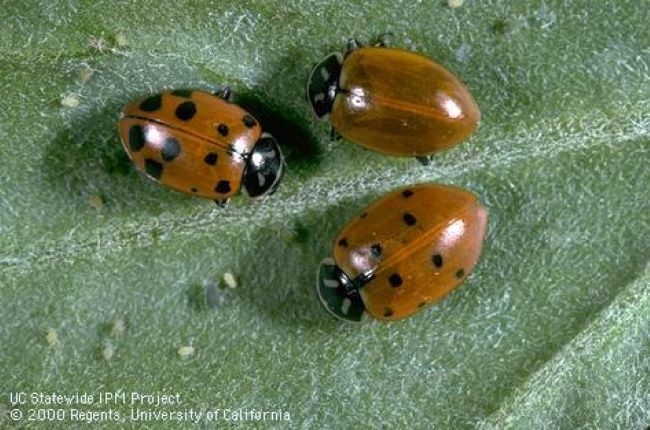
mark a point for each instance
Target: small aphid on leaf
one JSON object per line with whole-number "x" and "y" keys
{"x": 108, "y": 351}
{"x": 96, "y": 201}
{"x": 229, "y": 280}
{"x": 51, "y": 337}
{"x": 118, "y": 327}
{"x": 185, "y": 351}
{"x": 120, "y": 40}
{"x": 69, "y": 101}
{"x": 84, "y": 73}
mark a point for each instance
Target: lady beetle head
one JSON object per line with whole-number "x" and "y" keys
{"x": 323, "y": 84}
{"x": 264, "y": 168}
{"x": 338, "y": 293}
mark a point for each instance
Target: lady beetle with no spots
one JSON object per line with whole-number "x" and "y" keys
{"x": 392, "y": 101}
{"x": 403, "y": 253}
{"x": 201, "y": 144}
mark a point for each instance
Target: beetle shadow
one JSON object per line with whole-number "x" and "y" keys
{"x": 87, "y": 159}
{"x": 280, "y": 117}
{"x": 286, "y": 294}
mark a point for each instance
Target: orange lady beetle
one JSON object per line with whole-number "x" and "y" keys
{"x": 406, "y": 251}
{"x": 392, "y": 101}
{"x": 201, "y": 144}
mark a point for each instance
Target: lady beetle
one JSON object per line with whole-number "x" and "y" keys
{"x": 201, "y": 144}
{"x": 404, "y": 252}
{"x": 392, "y": 101}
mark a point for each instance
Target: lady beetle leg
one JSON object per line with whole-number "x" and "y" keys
{"x": 222, "y": 203}
{"x": 334, "y": 135}
{"x": 425, "y": 160}
{"x": 380, "y": 42}
{"x": 383, "y": 40}
{"x": 352, "y": 45}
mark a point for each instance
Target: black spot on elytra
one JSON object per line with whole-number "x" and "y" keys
{"x": 223, "y": 129}
{"x": 436, "y": 259}
{"x": 376, "y": 250}
{"x": 211, "y": 158}
{"x": 395, "y": 280}
{"x": 363, "y": 215}
{"x": 153, "y": 168}
{"x": 460, "y": 273}
{"x": 249, "y": 121}
{"x": 409, "y": 219}
{"x": 185, "y": 111}
{"x": 343, "y": 243}
{"x": 170, "y": 150}
{"x": 222, "y": 187}
{"x": 407, "y": 193}
{"x": 152, "y": 103}
{"x": 194, "y": 190}
{"x": 182, "y": 93}
{"x": 136, "y": 137}
{"x": 422, "y": 304}
{"x": 388, "y": 312}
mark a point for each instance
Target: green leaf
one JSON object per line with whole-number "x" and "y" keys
{"x": 111, "y": 283}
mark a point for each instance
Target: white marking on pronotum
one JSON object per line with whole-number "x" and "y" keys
{"x": 345, "y": 307}
{"x": 325, "y": 74}
{"x": 261, "y": 180}
{"x": 330, "y": 283}
{"x": 319, "y": 97}
{"x": 257, "y": 159}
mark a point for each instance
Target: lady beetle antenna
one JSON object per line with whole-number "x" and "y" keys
{"x": 352, "y": 45}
